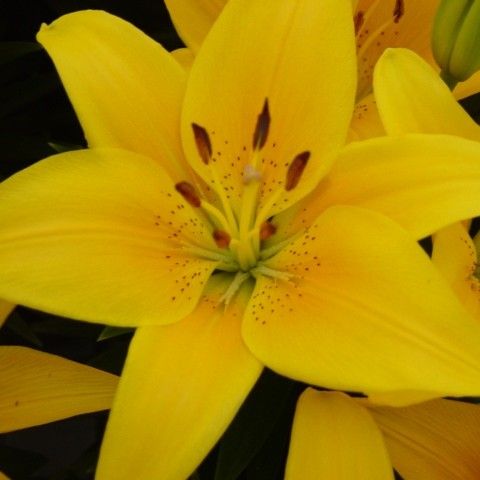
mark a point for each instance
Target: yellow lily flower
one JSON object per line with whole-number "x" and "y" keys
{"x": 379, "y": 24}
{"x": 38, "y": 387}
{"x": 335, "y": 436}
{"x": 204, "y": 204}
{"x": 412, "y": 98}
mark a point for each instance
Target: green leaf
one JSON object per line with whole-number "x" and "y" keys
{"x": 64, "y": 147}
{"x": 270, "y": 461}
{"x": 111, "y": 332}
{"x": 20, "y": 327}
{"x": 253, "y": 424}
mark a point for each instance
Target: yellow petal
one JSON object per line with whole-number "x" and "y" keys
{"x": 366, "y": 122}
{"x": 180, "y": 388}
{"x": 103, "y": 236}
{"x": 38, "y": 387}
{"x": 333, "y": 437}
{"x": 391, "y": 23}
{"x": 3, "y": 476}
{"x": 423, "y": 182}
{"x": 184, "y": 56}
{"x": 308, "y": 84}
{"x": 5, "y": 310}
{"x": 194, "y": 18}
{"x": 412, "y": 98}
{"x": 469, "y": 87}
{"x": 364, "y": 310}
{"x": 126, "y": 89}
{"x": 455, "y": 255}
{"x": 436, "y": 440}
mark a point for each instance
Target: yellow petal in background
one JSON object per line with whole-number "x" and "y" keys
{"x": 435, "y": 440}
{"x": 3, "y": 476}
{"x": 194, "y": 18}
{"x": 412, "y": 98}
{"x": 366, "y": 122}
{"x": 391, "y": 23}
{"x": 455, "y": 255}
{"x": 180, "y": 388}
{"x": 37, "y": 388}
{"x": 364, "y": 310}
{"x": 103, "y": 236}
{"x": 334, "y": 437}
{"x": 309, "y": 86}
{"x": 184, "y": 56}
{"x": 5, "y": 310}
{"x": 125, "y": 88}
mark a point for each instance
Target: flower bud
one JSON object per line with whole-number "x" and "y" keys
{"x": 456, "y": 39}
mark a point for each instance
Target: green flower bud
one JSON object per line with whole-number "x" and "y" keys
{"x": 456, "y": 39}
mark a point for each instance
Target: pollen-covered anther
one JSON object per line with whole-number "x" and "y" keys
{"x": 295, "y": 170}
{"x": 260, "y": 134}
{"x": 187, "y": 191}
{"x": 222, "y": 238}
{"x": 267, "y": 229}
{"x": 399, "y": 10}
{"x": 202, "y": 140}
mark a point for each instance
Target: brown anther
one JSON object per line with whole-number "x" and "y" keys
{"x": 222, "y": 238}
{"x": 295, "y": 170}
{"x": 187, "y": 191}
{"x": 399, "y": 10}
{"x": 202, "y": 140}
{"x": 358, "y": 21}
{"x": 261, "y": 130}
{"x": 267, "y": 229}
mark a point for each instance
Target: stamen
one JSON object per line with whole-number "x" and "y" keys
{"x": 261, "y": 130}
{"x": 270, "y": 272}
{"x": 358, "y": 21}
{"x": 202, "y": 140}
{"x": 250, "y": 174}
{"x": 398, "y": 11}
{"x": 222, "y": 238}
{"x": 295, "y": 170}
{"x": 187, "y": 191}
{"x": 240, "y": 277}
{"x": 267, "y": 229}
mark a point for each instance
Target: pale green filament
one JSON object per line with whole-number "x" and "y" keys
{"x": 237, "y": 281}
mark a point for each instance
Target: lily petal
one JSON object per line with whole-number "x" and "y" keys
{"x": 126, "y": 89}
{"x": 334, "y": 437}
{"x": 455, "y": 255}
{"x": 390, "y": 23}
{"x": 184, "y": 56}
{"x": 364, "y": 310}
{"x": 412, "y": 98}
{"x": 102, "y": 236}
{"x": 5, "y": 310}
{"x": 38, "y": 388}
{"x": 190, "y": 378}
{"x": 423, "y": 182}
{"x": 366, "y": 122}
{"x": 309, "y": 108}
{"x": 433, "y": 440}
{"x": 194, "y": 18}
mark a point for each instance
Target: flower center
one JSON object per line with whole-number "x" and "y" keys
{"x": 239, "y": 235}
